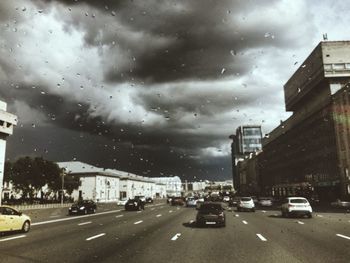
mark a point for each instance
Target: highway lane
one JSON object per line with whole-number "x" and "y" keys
{"x": 158, "y": 235}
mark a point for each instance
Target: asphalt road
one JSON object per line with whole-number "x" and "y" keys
{"x": 163, "y": 233}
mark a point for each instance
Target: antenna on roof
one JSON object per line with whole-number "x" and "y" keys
{"x": 325, "y": 37}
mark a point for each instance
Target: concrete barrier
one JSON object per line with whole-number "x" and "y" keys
{"x": 41, "y": 206}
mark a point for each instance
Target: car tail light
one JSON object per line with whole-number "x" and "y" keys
{"x": 289, "y": 205}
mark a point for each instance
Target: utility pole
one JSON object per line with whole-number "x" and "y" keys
{"x": 7, "y": 121}
{"x": 62, "y": 187}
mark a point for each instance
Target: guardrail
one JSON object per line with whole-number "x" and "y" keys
{"x": 40, "y": 206}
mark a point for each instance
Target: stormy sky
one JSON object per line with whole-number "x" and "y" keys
{"x": 152, "y": 87}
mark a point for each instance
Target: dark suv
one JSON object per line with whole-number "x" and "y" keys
{"x": 210, "y": 213}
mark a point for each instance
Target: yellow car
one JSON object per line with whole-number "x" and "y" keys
{"x": 12, "y": 220}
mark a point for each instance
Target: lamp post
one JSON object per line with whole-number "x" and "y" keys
{"x": 62, "y": 187}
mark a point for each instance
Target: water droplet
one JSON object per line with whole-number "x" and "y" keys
{"x": 24, "y": 9}
{"x": 113, "y": 13}
{"x": 43, "y": 92}
{"x": 86, "y": 14}
{"x": 223, "y": 70}
{"x": 233, "y": 52}
{"x": 33, "y": 125}
{"x": 40, "y": 11}
{"x": 81, "y": 87}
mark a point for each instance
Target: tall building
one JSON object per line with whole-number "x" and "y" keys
{"x": 246, "y": 141}
{"x": 309, "y": 153}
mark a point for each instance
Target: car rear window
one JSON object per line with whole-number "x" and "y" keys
{"x": 246, "y": 199}
{"x": 211, "y": 207}
{"x": 298, "y": 201}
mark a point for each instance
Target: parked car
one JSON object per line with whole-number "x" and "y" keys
{"x": 141, "y": 197}
{"x": 191, "y": 202}
{"x": 234, "y": 201}
{"x": 82, "y": 207}
{"x": 265, "y": 201}
{"x": 134, "y": 204}
{"x": 246, "y": 203}
{"x": 177, "y": 201}
{"x": 149, "y": 200}
{"x": 13, "y": 220}
{"x": 296, "y": 206}
{"x": 211, "y": 213}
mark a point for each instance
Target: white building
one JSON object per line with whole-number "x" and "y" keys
{"x": 7, "y": 121}
{"x": 173, "y": 185}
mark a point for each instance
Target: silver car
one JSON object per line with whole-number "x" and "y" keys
{"x": 246, "y": 203}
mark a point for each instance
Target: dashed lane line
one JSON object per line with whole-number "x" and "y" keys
{"x": 300, "y": 223}
{"x": 158, "y": 215}
{"x": 245, "y": 222}
{"x": 74, "y": 218}
{"x": 174, "y": 238}
{"x": 343, "y": 236}
{"x": 170, "y": 211}
{"x": 138, "y": 212}
{"x": 263, "y": 211}
{"x": 320, "y": 215}
{"x": 261, "y": 237}
{"x": 236, "y": 215}
{"x": 119, "y": 216}
{"x": 84, "y": 223}
{"x": 94, "y": 237}
{"x": 138, "y": 222}
{"x": 11, "y": 238}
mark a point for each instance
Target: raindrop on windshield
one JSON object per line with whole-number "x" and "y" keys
{"x": 113, "y": 13}
{"x": 223, "y": 70}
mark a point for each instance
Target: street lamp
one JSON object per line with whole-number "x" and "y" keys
{"x": 62, "y": 186}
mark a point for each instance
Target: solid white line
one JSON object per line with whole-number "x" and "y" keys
{"x": 138, "y": 222}
{"x": 119, "y": 216}
{"x": 301, "y": 223}
{"x": 245, "y": 222}
{"x": 85, "y": 223}
{"x": 261, "y": 237}
{"x": 97, "y": 236}
{"x": 176, "y": 236}
{"x": 158, "y": 215}
{"x": 11, "y": 238}
{"x": 73, "y": 218}
{"x": 340, "y": 235}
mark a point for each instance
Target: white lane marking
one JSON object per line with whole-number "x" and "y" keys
{"x": 119, "y": 216}
{"x": 170, "y": 211}
{"x": 73, "y": 218}
{"x": 176, "y": 236}
{"x": 191, "y": 221}
{"x": 158, "y": 215}
{"x": 138, "y": 222}
{"x": 152, "y": 208}
{"x": 261, "y": 237}
{"x": 138, "y": 212}
{"x": 178, "y": 208}
{"x": 320, "y": 215}
{"x": 236, "y": 215}
{"x": 301, "y": 223}
{"x": 97, "y": 236}
{"x": 11, "y": 238}
{"x": 263, "y": 211}
{"x": 245, "y": 222}
{"x": 340, "y": 235}
{"x": 85, "y": 223}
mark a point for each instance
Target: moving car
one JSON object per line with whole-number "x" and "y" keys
{"x": 141, "y": 197}
{"x": 191, "y": 202}
{"x": 13, "y": 220}
{"x": 177, "y": 201}
{"x": 134, "y": 204}
{"x": 149, "y": 200}
{"x": 234, "y": 201}
{"x": 226, "y": 198}
{"x": 265, "y": 201}
{"x": 211, "y": 213}
{"x": 246, "y": 203}
{"x": 296, "y": 206}
{"x": 83, "y": 207}
{"x": 341, "y": 204}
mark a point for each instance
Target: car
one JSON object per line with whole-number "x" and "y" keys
{"x": 177, "y": 201}
{"x": 226, "y": 198}
{"x": 141, "y": 197}
{"x": 296, "y": 206}
{"x": 83, "y": 207}
{"x": 234, "y": 201}
{"x": 211, "y": 213}
{"x": 191, "y": 202}
{"x": 13, "y": 220}
{"x": 149, "y": 200}
{"x": 246, "y": 203}
{"x": 134, "y": 204}
{"x": 340, "y": 204}
{"x": 122, "y": 201}
{"x": 265, "y": 201}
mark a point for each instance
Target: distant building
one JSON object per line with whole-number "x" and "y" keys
{"x": 173, "y": 185}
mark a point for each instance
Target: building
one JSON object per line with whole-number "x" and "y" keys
{"x": 247, "y": 140}
{"x": 7, "y": 121}
{"x": 309, "y": 153}
{"x": 173, "y": 185}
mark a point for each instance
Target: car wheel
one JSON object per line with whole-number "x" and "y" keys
{"x": 26, "y": 227}
{"x": 253, "y": 209}
{"x": 85, "y": 211}
{"x": 309, "y": 215}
